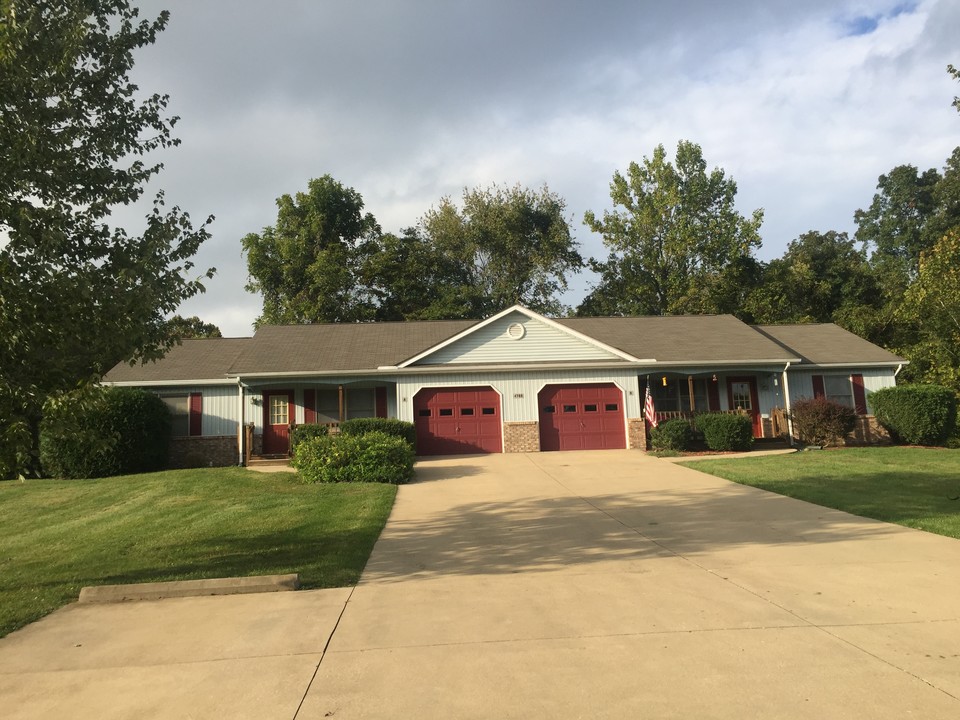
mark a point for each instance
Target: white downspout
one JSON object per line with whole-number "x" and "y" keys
{"x": 241, "y": 430}
{"x": 897, "y": 371}
{"x": 786, "y": 402}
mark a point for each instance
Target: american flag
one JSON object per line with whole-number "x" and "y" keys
{"x": 648, "y": 410}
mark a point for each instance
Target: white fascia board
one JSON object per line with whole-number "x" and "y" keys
{"x": 227, "y": 382}
{"x": 814, "y": 366}
{"x": 726, "y": 363}
{"x": 517, "y": 367}
{"x": 533, "y": 316}
{"x": 307, "y": 374}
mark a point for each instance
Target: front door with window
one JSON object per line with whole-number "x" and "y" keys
{"x": 278, "y": 415}
{"x": 742, "y": 395}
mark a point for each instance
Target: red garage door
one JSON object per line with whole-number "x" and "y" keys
{"x": 456, "y": 421}
{"x": 582, "y": 417}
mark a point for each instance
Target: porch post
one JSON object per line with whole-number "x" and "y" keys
{"x": 340, "y": 400}
{"x": 693, "y": 404}
{"x": 241, "y": 430}
{"x": 786, "y": 403}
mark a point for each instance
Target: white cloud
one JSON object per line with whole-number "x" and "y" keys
{"x": 411, "y": 102}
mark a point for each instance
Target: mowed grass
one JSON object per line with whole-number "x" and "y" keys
{"x": 916, "y": 487}
{"x": 58, "y": 536}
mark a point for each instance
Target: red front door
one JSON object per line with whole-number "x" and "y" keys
{"x": 582, "y": 417}
{"x": 742, "y": 395}
{"x": 278, "y": 416}
{"x": 457, "y": 421}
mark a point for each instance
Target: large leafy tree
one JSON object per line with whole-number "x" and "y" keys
{"x": 410, "y": 279}
{"x": 77, "y": 295}
{"x": 192, "y": 327}
{"x": 308, "y": 265}
{"x": 672, "y": 235}
{"x": 512, "y": 244}
{"x": 822, "y": 277}
{"x": 932, "y": 305}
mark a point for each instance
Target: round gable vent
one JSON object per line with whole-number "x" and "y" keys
{"x": 516, "y": 331}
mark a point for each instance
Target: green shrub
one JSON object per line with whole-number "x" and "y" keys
{"x": 916, "y": 414}
{"x": 388, "y": 426}
{"x": 723, "y": 431}
{"x": 822, "y": 422}
{"x": 370, "y": 457}
{"x": 672, "y": 435}
{"x": 305, "y": 432}
{"x": 110, "y": 431}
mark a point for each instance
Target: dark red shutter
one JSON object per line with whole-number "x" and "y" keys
{"x": 381, "y": 402}
{"x": 859, "y": 396}
{"x": 196, "y": 414}
{"x": 818, "y": 391}
{"x": 713, "y": 395}
{"x": 309, "y": 407}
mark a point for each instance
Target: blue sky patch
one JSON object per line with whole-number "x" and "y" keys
{"x": 866, "y": 24}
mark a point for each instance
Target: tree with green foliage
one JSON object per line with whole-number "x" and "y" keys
{"x": 822, "y": 277}
{"x": 932, "y": 305}
{"x": 673, "y": 233}
{"x": 192, "y": 327}
{"x": 308, "y": 265}
{"x": 410, "y": 279}
{"x": 895, "y": 226}
{"x": 513, "y": 245}
{"x": 77, "y": 295}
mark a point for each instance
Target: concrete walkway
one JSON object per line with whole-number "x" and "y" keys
{"x": 574, "y": 585}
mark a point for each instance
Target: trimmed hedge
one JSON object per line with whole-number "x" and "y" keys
{"x": 916, "y": 414}
{"x": 819, "y": 421}
{"x": 672, "y": 435}
{"x": 723, "y": 431}
{"x": 370, "y": 457}
{"x": 387, "y": 426}
{"x": 300, "y": 433}
{"x": 120, "y": 431}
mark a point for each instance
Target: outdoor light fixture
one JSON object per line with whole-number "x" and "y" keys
{"x": 664, "y": 380}
{"x": 714, "y": 377}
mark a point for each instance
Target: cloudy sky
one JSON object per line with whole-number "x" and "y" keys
{"x": 804, "y": 104}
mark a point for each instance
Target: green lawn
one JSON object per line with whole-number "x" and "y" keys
{"x": 57, "y": 536}
{"x": 908, "y": 486}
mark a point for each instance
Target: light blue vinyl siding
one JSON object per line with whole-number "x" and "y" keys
{"x": 518, "y": 390}
{"x": 801, "y": 381}
{"x": 540, "y": 343}
{"x": 220, "y": 404}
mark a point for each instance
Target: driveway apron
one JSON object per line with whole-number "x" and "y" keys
{"x": 573, "y": 584}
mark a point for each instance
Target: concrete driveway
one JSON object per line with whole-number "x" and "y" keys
{"x": 602, "y": 584}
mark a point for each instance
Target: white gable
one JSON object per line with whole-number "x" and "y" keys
{"x": 517, "y": 338}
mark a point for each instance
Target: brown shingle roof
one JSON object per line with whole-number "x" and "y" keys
{"x": 195, "y": 359}
{"x": 682, "y": 338}
{"x": 827, "y": 344}
{"x": 332, "y": 347}
{"x": 692, "y": 339}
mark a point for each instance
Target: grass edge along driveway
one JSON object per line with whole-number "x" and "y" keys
{"x": 904, "y": 485}
{"x": 57, "y": 536}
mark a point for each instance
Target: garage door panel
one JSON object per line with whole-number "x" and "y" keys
{"x": 456, "y": 421}
{"x": 581, "y": 417}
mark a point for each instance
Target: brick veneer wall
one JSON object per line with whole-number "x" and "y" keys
{"x": 868, "y": 431}
{"x": 636, "y": 434}
{"x": 521, "y": 437}
{"x": 192, "y": 452}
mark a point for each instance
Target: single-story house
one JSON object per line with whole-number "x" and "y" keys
{"x": 515, "y": 382}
